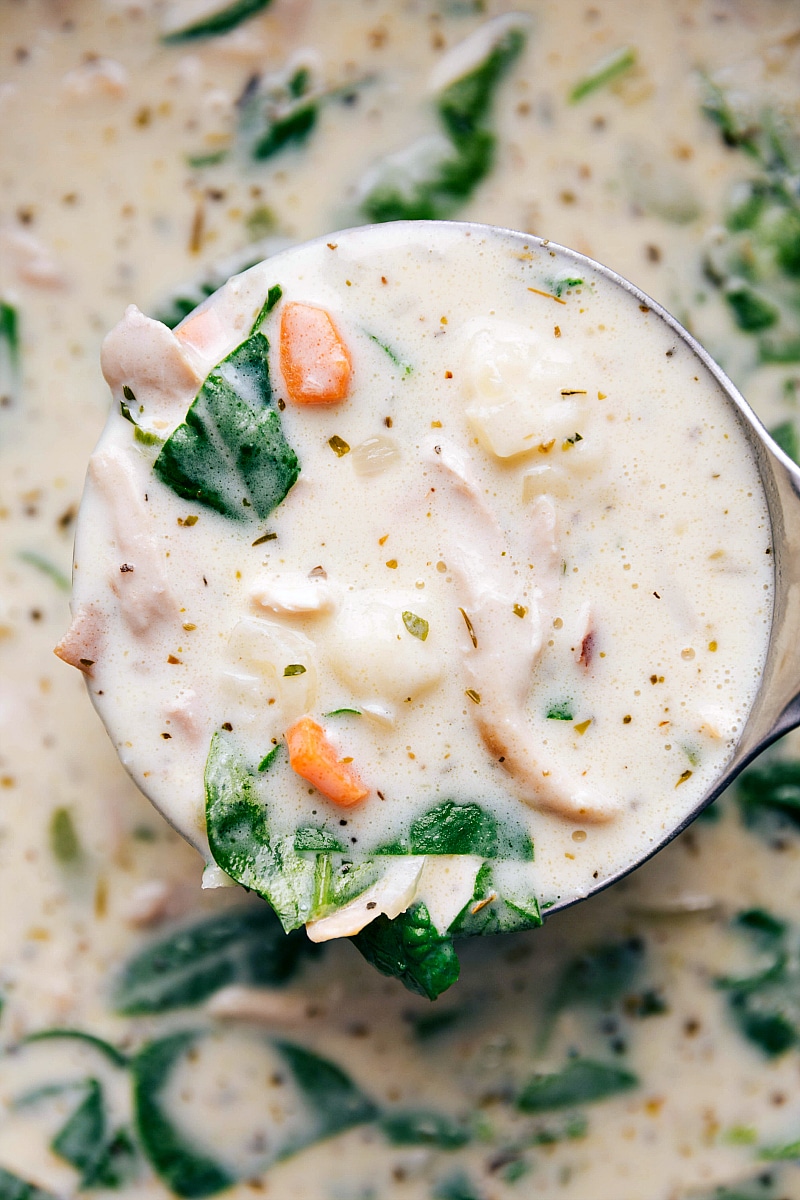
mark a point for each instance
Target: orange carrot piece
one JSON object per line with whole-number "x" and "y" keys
{"x": 315, "y": 362}
{"x": 313, "y": 757}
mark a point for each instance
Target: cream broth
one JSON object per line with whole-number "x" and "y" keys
{"x": 525, "y": 562}
{"x": 130, "y": 175}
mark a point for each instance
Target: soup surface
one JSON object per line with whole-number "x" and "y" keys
{"x": 643, "y": 1045}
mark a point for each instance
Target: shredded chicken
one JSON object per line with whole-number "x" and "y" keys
{"x": 81, "y": 645}
{"x": 392, "y": 895}
{"x": 147, "y": 359}
{"x": 502, "y": 649}
{"x": 138, "y": 576}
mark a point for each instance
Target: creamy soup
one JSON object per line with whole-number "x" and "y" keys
{"x": 642, "y": 1046}
{"x": 474, "y": 573}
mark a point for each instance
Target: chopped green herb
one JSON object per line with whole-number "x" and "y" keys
{"x": 64, "y": 841}
{"x": 230, "y": 453}
{"x": 294, "y": 669}
{"x": 145, "y": 437}
{"x": 222, "y": 21}
{"x": 417, "y": 626}
{"x": 405, "y": 367}
{"x": 561, "y": 711}
{"x": 265, "y": 537}
{"x": 260, "y": 223}
{"x": 410, "y": 949}
{"x": 212, "y": 159}
{"x": 603, "y": 73}
{"x": 43, "y": 564}
{"x": 273, "y": 297}
{"x": 269, "y": 759}
{"x": 582, "y": 1081}
{"x": 339, "y": 446}
{"x": 344, "y": 712}
{"x": 244, "y": 945}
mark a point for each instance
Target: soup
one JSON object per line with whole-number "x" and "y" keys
{"x": 642, "y": 1044}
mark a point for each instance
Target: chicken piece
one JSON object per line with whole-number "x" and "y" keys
{"x": 138, "y": 577}
{"x": 81, "y": 645}
{"x": 146, "y": 358}
{"x": 503, "y": 648}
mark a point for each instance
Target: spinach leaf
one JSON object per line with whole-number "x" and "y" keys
{"x": 184, "y": 1168}
{"x": 771, "y": 788}
{"x": 424, "y": 1128}
{"x": 766, "y": 1004}
{"x": 410, "y": 949}
{"x": 465, "y": 104}
{"x": 456, "y": 1187}
{"x": 452, "y": 828}
{"x": 281, "y": 114}
{"x": 230, "y": 453}
{"x": 582, "y": 1081}
{"x": 335, "y": 1101}
{"x": 214, "y": 24}
{"x": 111, "y": 1052}
{"x": 751, "y": 312}
{"x": 600, "y": 975}
{"x": 432, "y": 178}
{"x": 491, "y": 912}
{"x": 9, "y": 353}
{"x": 311, "y": 837}
{"x": 785, "y": 435}
{"x": 14, "y": 1188}
{"x": 239, "y": 837}
{"x": 245, "y": 945}
{"x": 104, "y": 1159}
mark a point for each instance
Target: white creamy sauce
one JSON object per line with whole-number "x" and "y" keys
{"x": 130, "y": 171}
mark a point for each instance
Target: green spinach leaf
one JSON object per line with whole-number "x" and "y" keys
{"x": 600, "y": 975}
{"x": 14, "y": 1188}
{"x": 183, "y": 1167}
{"x": 230, "y": 453}
{"x": 9, "y": 353}
{"x": 766, "y": 1004}
{"x": 452, "y": 828}
{"x": 246, "y": 946}
{"x": 424, "y": 1128}
{"x": 334, "y": 1100}
{"x": 604, "y": 73}
{"x": 432, "y": 178}
{"x": 222, "y": 21}
{"x": 582, "y": 1081}
{"x": 104, "y": 1159}
{"x": 771, "y": 789}
{"x": 410, "y": 949}
{"x": 114, "y": 1055}
{"x": 240, "y": 841}
{"x": 786, "y": 437}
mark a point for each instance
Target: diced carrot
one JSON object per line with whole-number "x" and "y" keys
{"x": 315, "y": 361}
{"x": 313, "y": 757}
